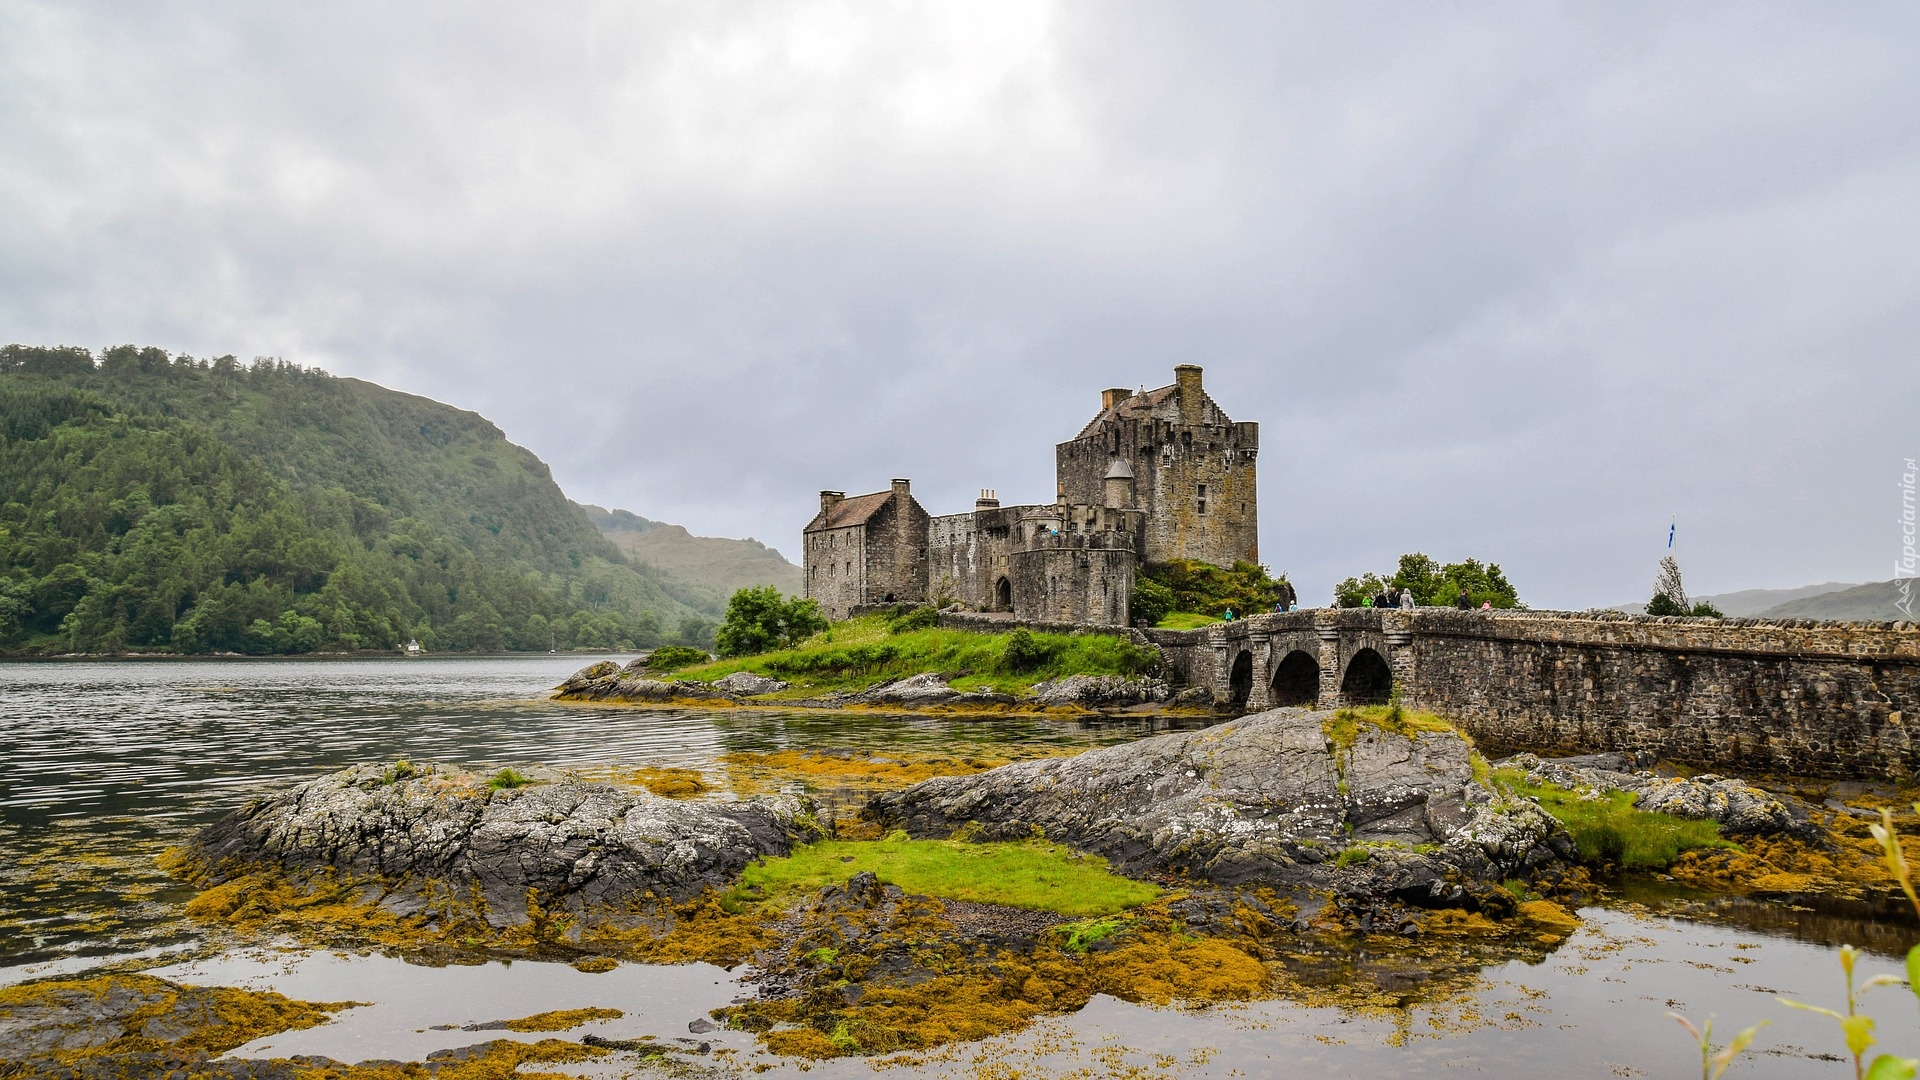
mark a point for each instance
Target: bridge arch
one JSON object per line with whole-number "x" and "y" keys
{"x": 1296, "y": 681}
{"x": 1003, "y": 595}
{"x": 1368, "y": 679}
{"x": 1240, "y": 679}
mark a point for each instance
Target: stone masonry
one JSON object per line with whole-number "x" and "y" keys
{"x": 1738, "y": 695}
{"x": 1155, "y": 476}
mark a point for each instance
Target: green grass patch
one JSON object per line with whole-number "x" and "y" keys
{"x": 1185, "y": 620}
{"x": 862, "y": 653}
{"x": 1032, "y": 874}
{"x": 1078, "y": 937}
{"x": 1612, "y": 830}
{"x": 1349, "y": 856}
{"x": 507, "y": 780}
{"x": 1344, "y": 727}
{"x": 672, "y": 657}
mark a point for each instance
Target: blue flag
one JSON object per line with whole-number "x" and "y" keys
{"x": 1670, "y": 527}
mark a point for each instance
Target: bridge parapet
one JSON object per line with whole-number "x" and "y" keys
{"x": 1798, "y": 696}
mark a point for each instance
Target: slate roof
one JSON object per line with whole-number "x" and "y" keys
{"x": 851, "y": 511}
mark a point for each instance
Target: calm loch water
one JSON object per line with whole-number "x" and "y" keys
{"x": 109, "y": 763}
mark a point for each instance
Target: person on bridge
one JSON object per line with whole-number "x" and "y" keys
{"x": 1463, "y": 601}
{"x": 1406, "y": 599}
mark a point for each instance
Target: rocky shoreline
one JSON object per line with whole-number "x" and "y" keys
{"x": 428, "y": 840}
{"x": 1266, "y": 834}
{"x": 610, "y": 683}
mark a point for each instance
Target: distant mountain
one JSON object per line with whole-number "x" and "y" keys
{"x": 715, "y": 566}
{"x": 161, "y": 503}
{"x": 1876, "y": 601}
{"x": 1748, "y": 603}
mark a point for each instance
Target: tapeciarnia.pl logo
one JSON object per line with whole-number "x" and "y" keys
{"x": 1904, "y": 568}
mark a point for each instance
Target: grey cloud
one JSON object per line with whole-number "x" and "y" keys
{"x": 1512, "y": 281}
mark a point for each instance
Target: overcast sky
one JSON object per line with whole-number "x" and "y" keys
{"x": 1521, "y": 282}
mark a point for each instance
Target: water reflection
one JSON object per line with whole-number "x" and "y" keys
{"x": 111, "y": 762}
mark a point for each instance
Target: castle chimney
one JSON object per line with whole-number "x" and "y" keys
{"x": 902, "y": 489}
{"x": 987, "y": 501}
{"x": 1192, "y": 399}
{"x": 1119, "y": 485}
{"x": 830, "y": 499}
{"x": 1110, "y": 398}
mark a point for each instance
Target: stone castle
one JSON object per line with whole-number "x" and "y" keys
{"x": 1155, "y": 476}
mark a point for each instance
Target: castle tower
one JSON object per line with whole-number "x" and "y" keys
{"x": 1193, "y": 470}
{"x": 1119, "y": 485}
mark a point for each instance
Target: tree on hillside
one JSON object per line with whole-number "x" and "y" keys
{"x": 760, "y": 620}
{"x": 1434, "y": 585}
{"x": 696, "y": 632}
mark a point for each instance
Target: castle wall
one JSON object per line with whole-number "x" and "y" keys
{"x": 897, "y": 555}
{"x": 834, "y": 565}
{"x": 968, "y": 556}
{"x": 973, "y": 553}
{"x": 1071, "y": 579}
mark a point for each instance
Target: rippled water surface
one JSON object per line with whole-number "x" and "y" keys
{"x": 109, "y": 763}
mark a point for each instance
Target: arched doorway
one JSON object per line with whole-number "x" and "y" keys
{"x": 1003, "y": 595}
{"x": 1240, "y": 679}
{"x": 1297, "y": 680}
{"x": 1369, "y": 681}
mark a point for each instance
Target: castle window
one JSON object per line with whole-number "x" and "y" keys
{"x": 1203, "y": 498}
{"x": 1186, "y": 440}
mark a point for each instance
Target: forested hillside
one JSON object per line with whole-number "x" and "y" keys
{"x": 151, "y": 502}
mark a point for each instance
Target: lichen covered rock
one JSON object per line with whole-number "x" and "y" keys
{"x": 1740, "y": 808}
{"x": 926, "y": 688}
{"x": 747, "y": 684}
{"x": 1101, "y": 692}
{"x": 1271, "y": 799}
{"x": 590, "y": 849}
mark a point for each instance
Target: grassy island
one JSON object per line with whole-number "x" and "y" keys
{"x": 865, "y": 652}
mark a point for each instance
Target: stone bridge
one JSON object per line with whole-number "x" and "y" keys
{"x": 1739, "y": 695}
